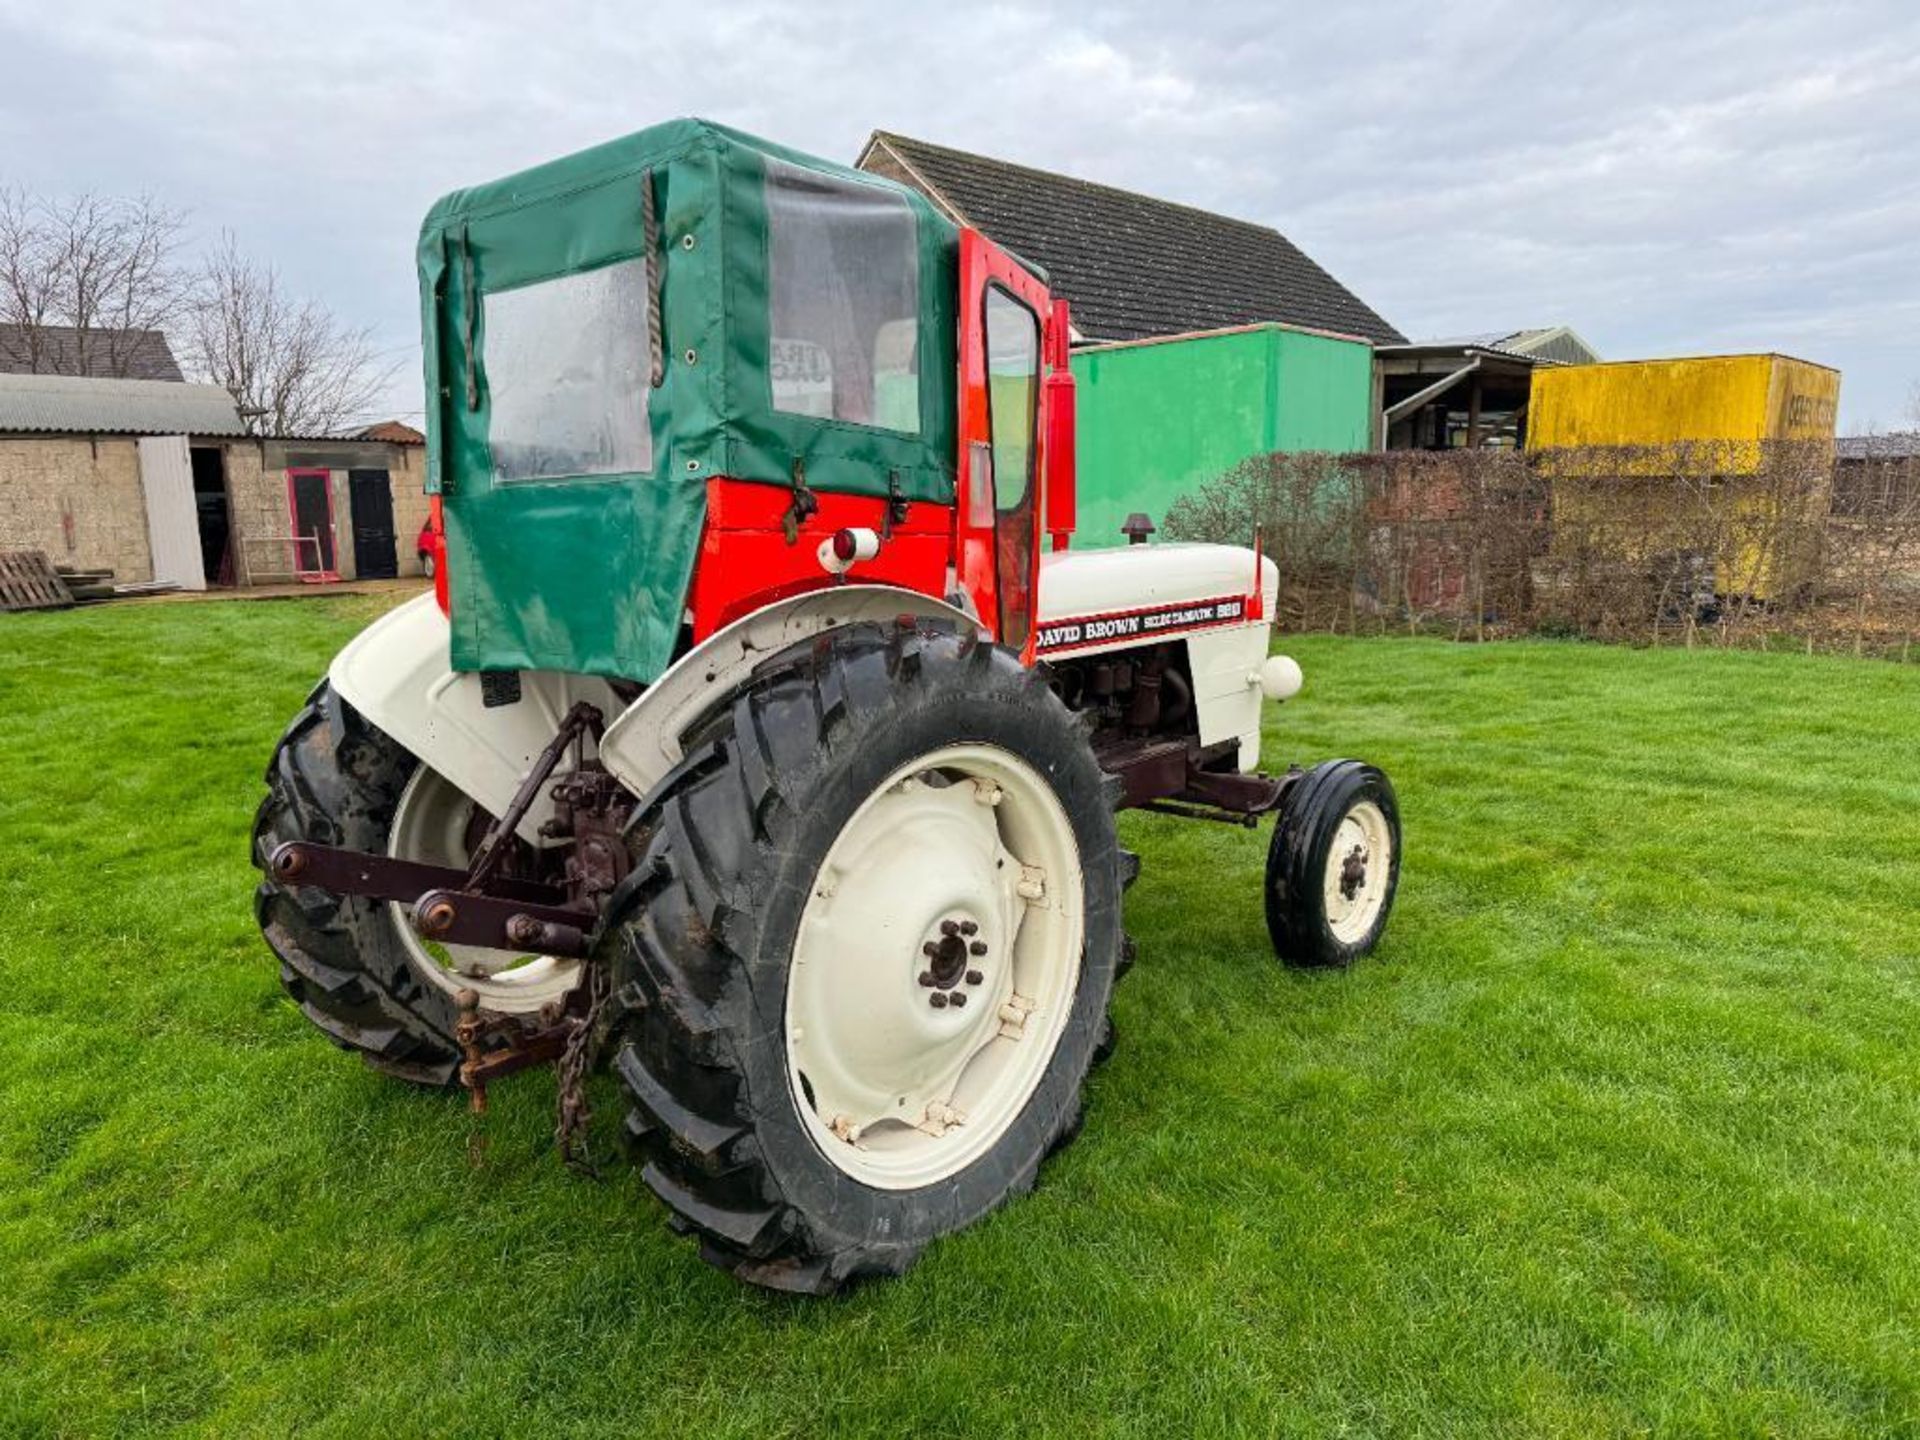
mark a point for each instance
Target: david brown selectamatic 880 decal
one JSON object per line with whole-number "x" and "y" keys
{"x": 1121, "y": 625}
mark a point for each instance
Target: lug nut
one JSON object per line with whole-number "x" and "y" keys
{"x": 957, "y": 999}
{"x": 926, "y": 978}
{"x": 977, "y": 947}
{"x": 974, "y": 977}
{"x": 939, "y": 999}
{"x": 968, "y": 927}
{"x": 949, "y": 927}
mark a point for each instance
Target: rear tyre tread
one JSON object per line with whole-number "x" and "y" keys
{"x": 334, "y": 779}
{"x": 679, "y": 950}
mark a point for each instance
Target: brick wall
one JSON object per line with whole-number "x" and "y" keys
{"x": 409, "y": 472}
{"x": 257, "y": 507}
{"x": 78, "y": 500}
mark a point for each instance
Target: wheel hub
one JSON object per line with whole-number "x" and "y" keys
{"x": 1358, "y": 868}
{"x": 1353, "y": 872}
{"x": 951, "y": 958}
{"x": 437, "y": 823}
{"x": 903, "y": 1071}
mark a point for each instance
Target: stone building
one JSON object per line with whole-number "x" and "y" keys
{"x": 158, "y": 480}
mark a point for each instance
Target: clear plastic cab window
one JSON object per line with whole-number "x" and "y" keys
{"x": 1013, "y": 395}
{"x": 843, "y": 266}
{"x": 567, "y": 369}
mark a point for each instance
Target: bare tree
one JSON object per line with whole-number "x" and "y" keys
{"x": 291, "y": 367}
{"x": 103, "y": 267}
{"x": 26, "y": 275}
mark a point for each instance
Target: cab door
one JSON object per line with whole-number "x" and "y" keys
{"x": 1002, "y": 312}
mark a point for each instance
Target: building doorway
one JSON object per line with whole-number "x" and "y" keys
{"x": 370, "y": 499}
{"x": 310, "y": 506}
{"x": 212, "y": 513}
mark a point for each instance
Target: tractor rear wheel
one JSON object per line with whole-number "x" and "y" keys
{"x": 863, "y": 961}
{"x": 354, "y": 966}
{"x": 1333, "y": 864}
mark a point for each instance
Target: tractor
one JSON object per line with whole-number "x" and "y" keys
{"x": 762, "y": 738}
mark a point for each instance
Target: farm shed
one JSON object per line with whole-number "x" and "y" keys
{"x": 1467, "y": 392}
{"x": 1873, "y": 523}
{"x": 1877, "y": 477}
{"x": 156, "y": 480}
{"x": 1718, "y": 464}
{"x": 1159, "y": 418}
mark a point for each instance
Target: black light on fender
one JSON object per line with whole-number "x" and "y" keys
{"x": 844, "y": 549}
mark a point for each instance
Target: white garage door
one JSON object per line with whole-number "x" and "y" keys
{"x": 173, "y": 522}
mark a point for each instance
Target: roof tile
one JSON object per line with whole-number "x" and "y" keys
{"x": 1133, "y": 266}
{"x": 120, "y": 354}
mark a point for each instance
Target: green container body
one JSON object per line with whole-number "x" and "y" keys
{"x": 1158, "y": 419}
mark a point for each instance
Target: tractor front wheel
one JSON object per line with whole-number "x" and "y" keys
{"x": 863, "y": 960}
{"x": 1333, "y": 864}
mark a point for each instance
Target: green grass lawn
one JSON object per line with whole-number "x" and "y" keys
{"x": 1615, "y": 1133}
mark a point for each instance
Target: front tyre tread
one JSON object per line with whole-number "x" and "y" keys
{"x": 1304, "y": 833}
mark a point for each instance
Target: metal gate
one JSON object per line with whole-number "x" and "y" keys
{"x": 370, "y": 498}
{"x": 173, "y": 516}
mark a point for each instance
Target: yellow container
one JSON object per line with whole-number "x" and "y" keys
{"x": 1702, "y": 481}
{"x": 1709, "y": 399}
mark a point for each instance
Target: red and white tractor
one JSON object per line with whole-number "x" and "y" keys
{"x": 762, "y": 734}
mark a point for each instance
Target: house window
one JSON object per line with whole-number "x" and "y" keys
{"x": 567, "y": 368}
{"x": 844, "y": 294}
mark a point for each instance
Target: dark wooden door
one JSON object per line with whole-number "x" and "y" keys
{"x": 371, "y": 496}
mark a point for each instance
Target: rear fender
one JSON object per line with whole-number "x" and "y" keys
{"x": 644, "y": 743}
{"x": 397, "y": 673}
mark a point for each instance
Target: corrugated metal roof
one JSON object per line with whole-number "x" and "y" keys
{"x": 1556, "y": 343}
{"x": 1900, "y": 445}
{"x": 1462, "y": 346}
{"x": 73, "y": 405}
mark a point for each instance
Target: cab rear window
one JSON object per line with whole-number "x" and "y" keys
{"x": 844, "y": 289}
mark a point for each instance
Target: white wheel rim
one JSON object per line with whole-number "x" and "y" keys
{"x": 430, "y": 825}
{"x": 897, "y": 1089}
{"x": 1359, "y": 865}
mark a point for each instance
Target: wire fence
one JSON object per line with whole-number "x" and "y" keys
{"x": 1763, "y": 545}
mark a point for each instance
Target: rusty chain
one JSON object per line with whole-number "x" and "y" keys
{"x": 573, "y": 1109}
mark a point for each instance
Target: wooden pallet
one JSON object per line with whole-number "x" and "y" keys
{"x": 28, "y": 581}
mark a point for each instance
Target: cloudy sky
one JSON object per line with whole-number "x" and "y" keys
{"x": 1665, "y": 181}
